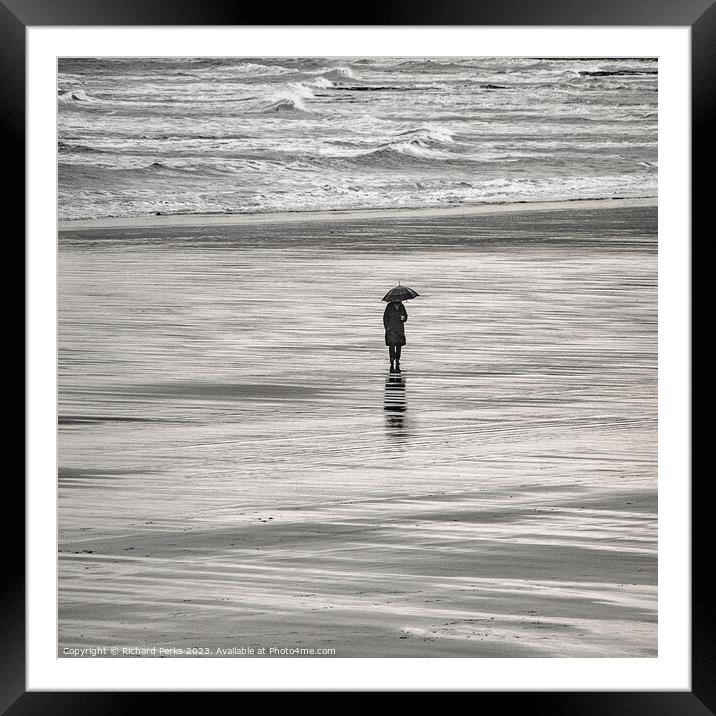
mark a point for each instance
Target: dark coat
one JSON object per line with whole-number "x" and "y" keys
{"x": 394, "y": 317}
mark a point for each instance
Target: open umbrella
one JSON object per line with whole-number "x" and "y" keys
{"x": 400, "y": 293}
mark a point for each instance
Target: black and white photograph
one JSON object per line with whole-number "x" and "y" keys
{"x": 357, "y": 357}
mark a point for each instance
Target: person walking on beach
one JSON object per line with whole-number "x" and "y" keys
{"x": 394, "y": 317}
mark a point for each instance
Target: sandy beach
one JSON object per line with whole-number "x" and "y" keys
{"x": 237, "y": 468}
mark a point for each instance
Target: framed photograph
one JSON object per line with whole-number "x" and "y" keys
{"x": 359, "y": 356}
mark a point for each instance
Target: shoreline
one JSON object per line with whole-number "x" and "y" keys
{"x": 174, "y": 220}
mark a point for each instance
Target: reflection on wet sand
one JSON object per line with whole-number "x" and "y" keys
{"x": 395, "y": 405}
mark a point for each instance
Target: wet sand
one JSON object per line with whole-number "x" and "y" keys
{"x": 162, "y": 220}
{"x": 237, "y": 468}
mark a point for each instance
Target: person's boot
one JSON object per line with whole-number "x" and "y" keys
{"x": 397, "y": 366}
{"x": 392, "y": 367}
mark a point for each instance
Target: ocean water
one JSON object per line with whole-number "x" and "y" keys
{"x": 141, "y": 136}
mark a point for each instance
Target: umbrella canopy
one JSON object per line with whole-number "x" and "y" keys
{"x": 400, "y": 293}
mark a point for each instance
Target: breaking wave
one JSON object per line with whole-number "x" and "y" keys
{"x": 338, "y": 73}
{"x": 290, "y": 99}
{"x": 321, "y": 82}
{"x": 423, "y": 144}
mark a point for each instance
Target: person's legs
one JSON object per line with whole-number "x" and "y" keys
{"x": 397, "y": 355}
{"x": 391, "y": 350}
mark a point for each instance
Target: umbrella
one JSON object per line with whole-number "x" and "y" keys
{"x": 400, "y": 293}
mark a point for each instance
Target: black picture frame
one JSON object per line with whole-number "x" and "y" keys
{"x": 699, "y": 15}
